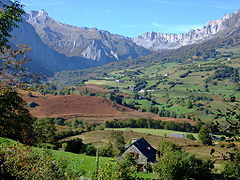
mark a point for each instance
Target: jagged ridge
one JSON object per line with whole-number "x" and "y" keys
{"x": 156, "y": 41}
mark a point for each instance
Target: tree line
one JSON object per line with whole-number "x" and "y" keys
{"x": 153, "y": 124}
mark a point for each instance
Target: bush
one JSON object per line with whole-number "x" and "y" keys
{"x": 204, "y": 136}
{"x": 64, "y": 146}
{"x": 24, "y": 163}
{"x": 118, "y": 142}
{"x": 120, "y": 171}
{"x": 177, "y": 164}
{"x": 59, "y": 121}
{"x": 75, "y": 145}
{"x": 231, "y": 168}
{"x": 190, "y": 136}
{"x": 107, "y": 151}
{"x": 222, "y": 144}
{"x": 32, "y": 104}
{"x": 47, "y": 145}
{"x": 230, "y": 145}
{"x": 166, "y": 146}
{"x": 44, "y": 131}
{"x": 226, "y": 145}
{"x": 90, "y": 150}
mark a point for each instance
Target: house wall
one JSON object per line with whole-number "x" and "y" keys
{"x": 141, "y": 159}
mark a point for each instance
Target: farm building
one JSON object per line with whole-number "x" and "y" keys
{"x": 120, "y": 81}
{"x": 142, "y": 152}
{"x": 177, "y": 135}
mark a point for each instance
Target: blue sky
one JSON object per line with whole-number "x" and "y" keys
{"x": 135, "y": 17}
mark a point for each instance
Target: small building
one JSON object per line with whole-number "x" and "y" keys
{"x": 142, "y": 152}
{"x": 177, "y": 135}
{"x": 142, "y": 91}
{"x": 214, "y": 137}
{"x": 120, "y": 81}
{"x": 166, "y": 75}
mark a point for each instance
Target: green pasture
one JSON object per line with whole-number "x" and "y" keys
{"x": 156, "y": 132}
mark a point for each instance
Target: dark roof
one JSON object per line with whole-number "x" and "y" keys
{"x": 146, "y": 149}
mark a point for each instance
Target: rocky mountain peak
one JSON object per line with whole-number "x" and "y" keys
{"x": 89, "y": 43}
{"x": 37, "y": 16}
{"x": 156, "y": 41}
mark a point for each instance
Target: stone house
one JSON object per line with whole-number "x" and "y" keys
{"x": 142, "y": 152}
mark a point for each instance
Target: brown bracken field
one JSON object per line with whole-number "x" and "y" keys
{"x": 89, "y": 108}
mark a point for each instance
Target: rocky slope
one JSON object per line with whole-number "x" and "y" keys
{"x": 45, "y": 59}
{"x": 89, "y": 43}
{"x": 156, "y": 41}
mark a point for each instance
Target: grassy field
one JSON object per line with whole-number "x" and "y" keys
{"x": 166, "y": 80}
{"x": 156, "y": 132}
{"x": 79, "y": 164}
{"x": 76, "y": 163}
{"x": 101, "y": 138}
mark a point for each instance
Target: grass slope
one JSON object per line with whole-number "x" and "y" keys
{"x": 79, "y": 164}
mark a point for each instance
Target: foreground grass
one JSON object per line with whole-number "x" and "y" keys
{"x": 78, "y": 164}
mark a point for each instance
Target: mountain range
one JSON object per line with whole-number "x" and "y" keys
{"x": 156, "y": 41}
{"x": 57, "y": 46}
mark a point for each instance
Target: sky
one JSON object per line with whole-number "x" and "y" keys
{"x": 135, "y": 17}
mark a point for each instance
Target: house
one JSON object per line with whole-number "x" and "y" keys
{"x": 141, "y": 91}
{"x": 120, "y": 81}
{"x": 177, "y": 135}
{"x": 142, "y": 152}
{"x": 166, "y": 75}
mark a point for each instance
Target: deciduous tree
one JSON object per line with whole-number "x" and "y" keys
{"x": 204, "y": 136}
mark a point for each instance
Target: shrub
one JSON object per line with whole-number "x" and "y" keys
{"x": 118, "y": 141}
{"x": 230, "y": 145}
{"x": 24, "y": 163}
{"x": 47, "y": 145}
{"x": 90, "y": 150}
{"x": 120, "y": 171}
{"x": 177, "y": 164}
{"x": 204, "y": 136}
{"x": 222, "y": 144}
{"x": 29, "y": 94}
{"x": 166, "y": 146}
{"x": 59, "y": 121}
{"x": 107, "y": 151}
{"x": 64, "y": 146}
{"x": 32, "y": 104}
{"x": 75, "y": 145}
{"x": 190, "y": 136}
{"x": 44, "y": 131}
{"x": 231, "y": 168}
